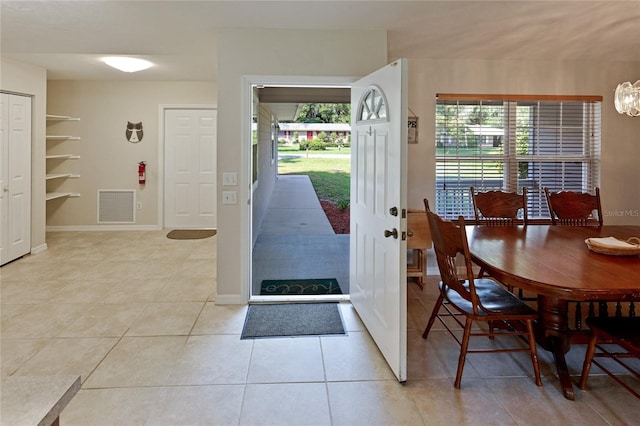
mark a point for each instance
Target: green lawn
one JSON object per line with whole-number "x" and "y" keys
{"x": 296, "y": 150}
{"x": 330, "y": 176}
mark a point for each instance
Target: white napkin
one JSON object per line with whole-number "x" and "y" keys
{"x": 611, "y": 242}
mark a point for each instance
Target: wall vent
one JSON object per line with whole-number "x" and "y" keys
{"x": 116, "y": 206}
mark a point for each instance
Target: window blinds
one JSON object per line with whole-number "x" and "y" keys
{"x": 509, "y": 142}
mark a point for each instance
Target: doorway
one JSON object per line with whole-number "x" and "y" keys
{"x": 189, "y": 164}
{"x": 292, "y": 238}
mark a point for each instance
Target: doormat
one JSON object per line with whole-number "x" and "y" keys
{"x": 292, "y": 319}
{"x": 191, "y": 234}
{"x": 301, "y": 286}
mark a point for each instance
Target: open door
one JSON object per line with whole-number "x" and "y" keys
{"x": 378, "y": 247}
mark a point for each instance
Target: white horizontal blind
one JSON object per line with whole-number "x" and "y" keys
{"x": 507, "y": 144}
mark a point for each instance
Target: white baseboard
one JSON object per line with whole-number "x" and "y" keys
{"x": 39, "y": 249}
{"x": 105, "y": 228}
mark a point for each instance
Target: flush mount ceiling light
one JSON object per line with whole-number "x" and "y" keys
{"x": 127, "y": 64}
{"x": 627, "y": 98}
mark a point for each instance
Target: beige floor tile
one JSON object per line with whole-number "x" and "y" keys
{"x": 209, "y": 360}
{"x": 166, "y": 319}
{"x": 283, "y": 360}
{"x": 137, "y": 361}
{"x": 110, "y": 407}
{"x": 135, "y": 290}
{"x": 533, "y": 405}
{"x": 221, "y": 319}
{"x": 44, "y": 320}
{"x": 67, "y": 357}
{"x": 198, "y": 406}
{"x": 439, "y": 403}
{"x": 104, "y": 320}
{"x": 15, "y": 352}
{"x": 285, "y": 404}
{"x": 372, "y": 403}
{"x": 83, "y": 291}
{"x": 434, "y": 358}
{"x": 198, "y": 289}
{"x": 610, "y": 400}
{"x": 35, "y": 290}
{"x": 353, "y": 357}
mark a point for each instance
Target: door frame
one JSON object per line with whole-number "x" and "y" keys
{"x": 246, "y": 190}
{"x": 161, "y": 147}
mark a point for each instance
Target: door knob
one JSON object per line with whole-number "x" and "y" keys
{"x": 393, "y": 233}
{"x": 393, "y": 211}
{"x": 409, "y": 232}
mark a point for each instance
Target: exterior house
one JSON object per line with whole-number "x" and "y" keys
{"x": 299, "y": 131}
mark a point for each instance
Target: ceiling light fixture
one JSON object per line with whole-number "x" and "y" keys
{"x": 127, "y": 64}
{"x": 627, "y": 98}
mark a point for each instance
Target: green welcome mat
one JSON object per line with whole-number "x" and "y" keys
{"x": 300, "y": 287}
{"x": 292, "y": 319}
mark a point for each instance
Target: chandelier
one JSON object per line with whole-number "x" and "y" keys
{"x": 627, "y": 98}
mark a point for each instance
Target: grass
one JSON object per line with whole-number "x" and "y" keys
{"x": 330, "y": 150}
{"x": 331, "y": 177}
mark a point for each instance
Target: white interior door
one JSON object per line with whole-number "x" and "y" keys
{"x": 15, "y": 177}
{"x": 190, "y": 168}
{"x": 378, "y": 203}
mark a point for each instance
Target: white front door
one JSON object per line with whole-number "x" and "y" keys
{"x": 15, "y": 177}
{"x": 190, "y": 168}
{"x": 378, "y": 248}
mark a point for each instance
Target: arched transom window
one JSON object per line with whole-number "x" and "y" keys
{"x": 373, "y": 105}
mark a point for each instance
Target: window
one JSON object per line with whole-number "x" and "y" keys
{"x": 508, "y": 142}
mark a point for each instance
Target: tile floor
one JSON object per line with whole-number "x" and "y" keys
{"x": 134, "y": 315}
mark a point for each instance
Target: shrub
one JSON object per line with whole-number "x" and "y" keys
{"x": 313, "y": 145}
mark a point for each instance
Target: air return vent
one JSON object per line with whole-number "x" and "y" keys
{"x": 116, "y": 206}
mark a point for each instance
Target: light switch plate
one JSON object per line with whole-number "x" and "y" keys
{"x": 229, "y": 179}
{"x": 229, "y": 197}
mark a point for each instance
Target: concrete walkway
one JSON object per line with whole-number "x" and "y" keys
{"x": 296, "y": 239}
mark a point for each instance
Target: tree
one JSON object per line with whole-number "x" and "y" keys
{"x": 324, "y": 113}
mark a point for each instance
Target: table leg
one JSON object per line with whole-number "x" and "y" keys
{"x": 552, "y": 334}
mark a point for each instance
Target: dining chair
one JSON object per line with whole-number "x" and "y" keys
{"x": 621, "y": 331}
{"x": 477, "y": 300}
{"x": 499, "y": 208}
{"x": 574, "y": 208}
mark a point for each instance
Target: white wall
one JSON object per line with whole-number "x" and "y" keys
{"x": 107, "y": 159}
{"x": 620, "y": 171}
{"x": 28, "y": 79}
{"x": 268, "y": 53}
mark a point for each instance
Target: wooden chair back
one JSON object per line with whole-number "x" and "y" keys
{"x": 574, "y": 208}
{"x": 499, "y": 208}
{"x": 449, "y": 240}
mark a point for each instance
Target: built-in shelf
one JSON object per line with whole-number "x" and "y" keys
{"x": 58, "y": 177}
{"x": 50, "y": 176}
{"x": 51, "y": 117}
{"x": 62, "y": 138}
{"x": 54, "y": 195}
{"x": 63, "y": 157}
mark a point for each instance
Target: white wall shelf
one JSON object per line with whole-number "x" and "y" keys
{"x": 54, "y": 195}
{"x": 62, "y": 138}
{"x": 52, "y": 117}
{"x": 60, "y": 157}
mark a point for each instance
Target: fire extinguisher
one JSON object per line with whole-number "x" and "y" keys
{"x": 142, "y": 173}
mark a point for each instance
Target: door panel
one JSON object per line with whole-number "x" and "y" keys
{"x": 378, "y": 184}
{"x": 190, "y": 171}
{"x": 15, "y": 172}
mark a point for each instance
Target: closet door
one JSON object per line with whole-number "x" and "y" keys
{"x": 15, "y": 177}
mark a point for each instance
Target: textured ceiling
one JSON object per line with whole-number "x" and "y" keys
{"x": 68, "y": 37}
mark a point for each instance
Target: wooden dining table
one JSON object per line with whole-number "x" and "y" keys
{"x": 555, "y": 263}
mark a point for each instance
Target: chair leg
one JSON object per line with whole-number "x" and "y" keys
{"x": 586, "y": 367}
{"x": 463, "y": 351}
{"x": 534, "y": 352}
{"x": 433, "y": 316}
